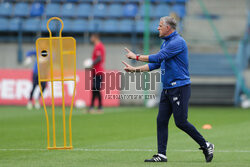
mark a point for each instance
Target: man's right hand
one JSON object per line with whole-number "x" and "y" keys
{"x": 128, "y": 68}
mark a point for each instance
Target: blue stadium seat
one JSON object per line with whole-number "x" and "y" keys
{"x": 73, "y": 1}
{"x": 41, "y": 1}
{"x": 110, "y": 26}
{"x": 54, "y": 25}
{"x": 6, "y": 9}
{"x": 137, "y": 1}
{"x": 14, "y": 24}
{"x": 161, "y": 10}
{"x": 57, "y": 1}
{"x": 32, "y": 25}
{"x": 180, "y": 10}
{"x": 154, "y": 25}
{"x": 68, "y": 10}
{"x": 142, "y": 10}
{"x": 139, "y": 26}
{"x": 52, "y": 9}
{"x": 181, "y": 1}
{"x": 100, "y": 10}
{"x": 89, "y": 1}
{"x": 105, "y": 1}
{"x": 44, "y": 25}
{"x": 84, "y": 10}
{"x": 115, "y": 10}
{"x": 169, "y": 1}
{"x": 130, "y": 10}
{"x": 21, "y": 9}
{"x": 126, "y": 26}
{"x": 37, "y": 9}
{"x": 95, "y": 25}
{"x": 209, "y": 65}
{"x": 121, "y": 1}
{"x": 4, "y": 24}
{"x": 67, "y": 25}
{"x": 80, "y": 25}
{"x": 162, "y": 1}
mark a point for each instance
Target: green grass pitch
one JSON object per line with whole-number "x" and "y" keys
{"x": 123, "y": 136}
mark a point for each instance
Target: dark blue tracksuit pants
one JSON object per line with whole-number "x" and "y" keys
{"x": 35, "y": 83}
{"x": 175, "y": 101}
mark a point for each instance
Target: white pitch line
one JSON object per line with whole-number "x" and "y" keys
{"x": 115, "y": 150}
{"x": 21, "y": 149}
{"x": 122, "y": 150}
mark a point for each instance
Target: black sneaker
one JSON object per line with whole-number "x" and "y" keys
{"x": 156, "y": 158}
{"x": 208, "y": 151}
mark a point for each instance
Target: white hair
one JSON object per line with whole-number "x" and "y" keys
{"x": 168, "y": 20}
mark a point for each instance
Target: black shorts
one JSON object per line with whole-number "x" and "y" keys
{"x": 35, "y": 81}
{"x": 97, "y": 80}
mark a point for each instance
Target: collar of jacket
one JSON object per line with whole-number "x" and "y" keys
{"x": 169, "y": 36}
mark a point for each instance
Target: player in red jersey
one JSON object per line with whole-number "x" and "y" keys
{"x": 98, "y": 58}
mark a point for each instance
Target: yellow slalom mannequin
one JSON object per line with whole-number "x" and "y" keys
{"x": 56, "y": 61}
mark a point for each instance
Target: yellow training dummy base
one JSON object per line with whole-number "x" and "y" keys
{"x": 56, "y": 62}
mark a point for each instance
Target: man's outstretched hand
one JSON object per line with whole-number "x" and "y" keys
{"x": 130, "y": 54}
{"x": 128, "y": 68}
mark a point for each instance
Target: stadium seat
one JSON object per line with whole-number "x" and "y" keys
{"x": 137, "y": 1}
{"x": 54, "y": 25}
{"x": 42, "y": 1}
{"x": 161, "y": 10}
{"x": 126, "y": 26}
{"x": 100, "y": 10}
{"x": 179, "y": 9}
{"x": 154, "y": 25}
{"x": 181, "y": 1}
{"x": 52, "y": 9}
{"x": 21, "y": 9}
{"x": 89, "y": 1}
{"x": 57, "y": 1}
{"x": 162, "y": 1}
{"x": 95, "y": 25}
{"x": 115, "y": 10}
{"x": 67, "y": 25}
{"x": 139, "y": 26}
{"x": 121, "y": 1}
{"x": 4, "y": 24}
{"x": 105, "y": 1}
{"x": 80, "y": 25}
{"x": 130, "y": 10}
{"x": 169, "y": 1}
{"x": 84, "y": 10}
{"x": 44, "y": 25}
{"x": 72, "y": 1}
{"x": 68, "y": 10}
{"x": 6, "y": 9}
{"x": 110, "y": 26}
{"x": 32, "y": 25}
{"x": 14, "y": 24}
{"x": 37, "y": 9}
{"x": 210, "y": 65}
{"x": 142, "y": 11}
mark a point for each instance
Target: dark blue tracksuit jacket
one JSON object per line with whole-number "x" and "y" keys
{"x": 173, "y": 60}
